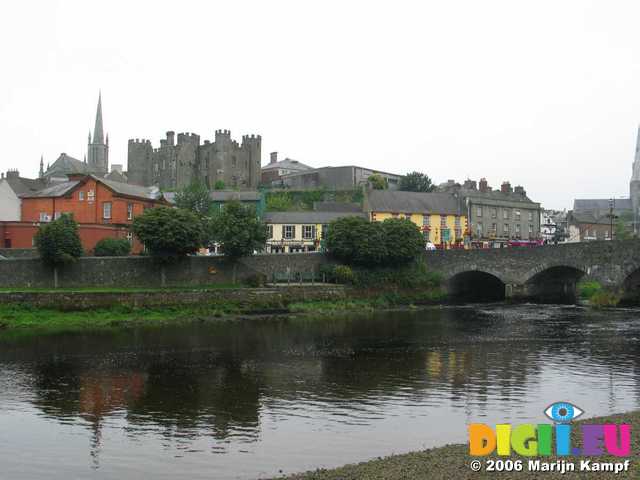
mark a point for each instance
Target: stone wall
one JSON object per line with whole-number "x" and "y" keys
{"x": 249, "y": 298}
{"x": 145, "y": 272}
{"x": 19, "y": 252}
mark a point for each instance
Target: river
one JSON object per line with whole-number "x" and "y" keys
{"x": 256, "y": 398}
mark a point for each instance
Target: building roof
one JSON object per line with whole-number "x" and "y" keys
{"x": 63, "y": 188}
{"x": 229, "y": 195}
{"x": 588, "y": 217}
{"x": 496, "y": 195}
{"x": 336, "y": 207}
{"x": 129, "y": 190}
{"x": 353, "y": 167}
{"x": 308, "y": 217}
{"x": 287, "y": 163}
{"x": 66, "y": 164}
{"x": 413, "y": 202}
{"x": 55, "y": 190}
{"x": 601, "y": 204}
{"x": 21, "y": 185}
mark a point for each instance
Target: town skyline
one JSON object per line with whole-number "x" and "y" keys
{"x": 534, "y": 111}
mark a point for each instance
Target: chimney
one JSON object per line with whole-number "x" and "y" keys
{"x": 484, "y": 186}
{"x": 13, "y": 173}
{"x": 274, "y": 157}
{"x": 470, "y": 185}
{"x": 520, "y": 191}
{"x": 506, "y": 187}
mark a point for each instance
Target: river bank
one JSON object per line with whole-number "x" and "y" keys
{"x": 453, "y": 462}
{"x": 41, "y": 312}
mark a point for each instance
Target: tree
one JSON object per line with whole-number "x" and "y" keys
{"x": 622, "y": 230}
{"x": 403, "y": 239}
{"x": 354, "y": 240}
{"x": 169, "y": 233}
{"x": 59, "y": 243}
{"x": 378, "y": 182}
{"x": 112, "y": 247}
{"x": 238, "y": 231}
{"x": 416, "y": 182}
{"x": 219, "y": 185}
{"x": 195, "y": 198}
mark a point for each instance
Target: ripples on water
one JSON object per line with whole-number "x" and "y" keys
{"x": 243, "y": 400}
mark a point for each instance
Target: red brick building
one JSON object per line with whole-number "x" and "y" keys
{"x": 102, "y": 208}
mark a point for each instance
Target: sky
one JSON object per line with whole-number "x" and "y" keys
{"x": 545, "y": 94}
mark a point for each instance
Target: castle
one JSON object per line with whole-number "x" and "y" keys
{"x": 176, "y": 164}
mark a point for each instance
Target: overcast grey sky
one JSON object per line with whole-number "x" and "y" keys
{"x": 545, "y": 93}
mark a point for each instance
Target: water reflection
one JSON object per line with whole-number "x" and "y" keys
{"x": 324, "y": 391}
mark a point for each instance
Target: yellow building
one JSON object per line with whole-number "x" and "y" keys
{"x": 299, "y": 231}
{"x": 440, "y": 216}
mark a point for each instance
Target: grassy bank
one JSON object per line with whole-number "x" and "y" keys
{"x": 452, "y": 462}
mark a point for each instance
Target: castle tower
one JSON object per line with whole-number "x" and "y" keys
{"x": 98, "y": 150}
{"x": 251, "y": 145}
{"x": 634, "y": 187}
{"x": 140, "y": 162}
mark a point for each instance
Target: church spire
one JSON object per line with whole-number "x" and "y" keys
{"x": 41, "y": 166}
{"x": 638, "y": 146}
{"x": 98, "y": 135}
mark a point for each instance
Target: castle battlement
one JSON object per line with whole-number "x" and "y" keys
{"x": 139, "y": 141}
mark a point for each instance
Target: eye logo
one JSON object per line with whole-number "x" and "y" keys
{"x": 563, "y": 412}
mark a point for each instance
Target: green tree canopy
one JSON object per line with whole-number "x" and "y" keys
{"x": 354, "y": 240}
{"x": 195, "y": 198}
{"x": 58, "y": 242}
{"x": 112, "y": 247}
{"x": 416, "y": 182}
{"x": 219, "y": 185}
{"x": 168, "y": 233}
{"x": 403, "y": 239}
{"x": 238, "y": 230}
{"x": 622, "y": 230}
{"x": 378, "y": 182}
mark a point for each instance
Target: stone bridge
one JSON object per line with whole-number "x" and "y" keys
{"x": 547, "y": 273}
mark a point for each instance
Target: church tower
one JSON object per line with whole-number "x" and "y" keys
{"x": 98, "y": 150}
{"x": 634, "y": 187}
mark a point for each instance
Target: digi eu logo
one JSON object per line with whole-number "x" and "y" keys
{"x": 540, "y": 439}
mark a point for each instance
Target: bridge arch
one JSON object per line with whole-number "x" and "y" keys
{"x": 554, "y": 283}
{"x": 631, "y": 285}
{"x": 476, "y": 285}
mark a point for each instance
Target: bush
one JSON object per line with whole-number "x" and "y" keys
{"x": 588, "y": 289}
{"x": 410, "y": 277}
{"x": 112, "y": 247}
{"x": 356, "y": 241}
{"x": 343, "y": 274}
{"x": 238, "y": 230}
{"x": 404, "y": 241}
{"x": 605, "y": 298}
{"x": 58, "y": 242}
{"x": 256, "y": 280}
{"x": 169, "y": 233}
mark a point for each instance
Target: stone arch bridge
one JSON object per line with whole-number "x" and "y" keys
{"x": 547, "y": 273}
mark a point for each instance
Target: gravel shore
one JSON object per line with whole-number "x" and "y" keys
{"x": 452, "y": 462}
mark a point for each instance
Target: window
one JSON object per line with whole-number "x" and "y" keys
{"x": 288, "y": 232}
{"x": 457, "y": 221}
{"x": 325, "y": 230}
{"x": 443, "y": 222}
{"x": 479, "y": 211}
{"x": 506, "y": 229}
{"x": 479, "y": 229}
{"x": 56, "y": 215}
{"x": 426, "y": 220}
{"x": 531, "y": 216}
{"x": 91, "y": 195}
{"x": 130, "y": 238}
{"x": 494, "y": 213}
{"x": 106, "y": 210}
{"x": 517, "y": 229}
{"x": 530, "y": 229}
{"x": 494, "y": 229}
{"x": 81, "y": 196}
{"x": 505, "y": 214}
{"x": 129, "y": 211}
{"x": 516, "y": 214}
{"x": 44, "y": 217}
{"x": 395, "y": 214}
{"x": 269, "y": 231}
{"x": 308, "y": 232}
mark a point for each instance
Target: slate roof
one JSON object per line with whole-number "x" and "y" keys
{"x": 308, "y": 217}
{"x": 496, "y": 195}
{"x": 21, "y": 185}
{"x": 151, "y": 193}
{"x": 66, "y": 164}
{"x": 588, "y": 217}
{"x": 601, "y": 204}
{"x": 228, "y": 195}
{"x": 413, "y": 202}
{"x": 336, "y": 207}
{"x": 287, "y": 163}
{"x": 55, "y": 190}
